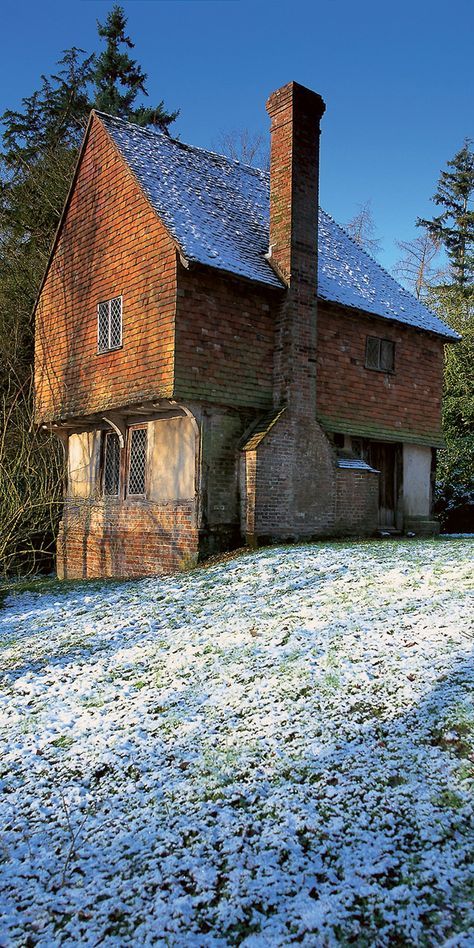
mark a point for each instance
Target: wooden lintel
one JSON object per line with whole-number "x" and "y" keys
{"x": 117, "y": 423}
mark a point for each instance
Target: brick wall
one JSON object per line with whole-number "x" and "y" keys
{"x": 357, "y": 494}
{"x": 111, "y": 244}
{"x": 224, "y": 339}
{"x": 405, "y": 402}
{"x": 294, "y": 480}
{"x": 344, "y": 502}
{"x": 294, "y": 475}
{"x": 295, "y": 113}
{"x": 126, "y": 539}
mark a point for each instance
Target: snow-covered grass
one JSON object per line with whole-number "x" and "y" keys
{"x": 275, "y": 750}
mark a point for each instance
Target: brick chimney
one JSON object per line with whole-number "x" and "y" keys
{"x": 295, "y": 114}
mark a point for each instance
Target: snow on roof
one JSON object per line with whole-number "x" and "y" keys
{"x": 217, "y": 210}
{"x": 355, "y": 464}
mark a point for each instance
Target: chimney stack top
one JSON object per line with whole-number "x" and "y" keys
{"x": 294, "y": 93}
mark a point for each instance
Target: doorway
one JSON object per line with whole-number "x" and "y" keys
{"x": 383, "y": 457}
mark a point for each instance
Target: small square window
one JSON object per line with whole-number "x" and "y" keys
{"x": 109, "y": 324}
{"x": 111, "y": 475}
{"x": 137, "y": 461}
{"x": 380, "y": 354}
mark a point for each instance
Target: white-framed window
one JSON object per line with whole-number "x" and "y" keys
{"x": 109, "y": 324}
{"x": 380, "y": 354}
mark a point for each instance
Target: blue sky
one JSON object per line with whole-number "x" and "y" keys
{"x": 397, "y": 78}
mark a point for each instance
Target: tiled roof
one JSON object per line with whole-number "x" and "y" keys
{"x": 217, "y": 210}
{"x": 262, "y": 428}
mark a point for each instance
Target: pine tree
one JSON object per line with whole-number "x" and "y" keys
{"x": 453, "y": 299}
{"x": 40, "y": 146}
{"x": 455, "y": 472}
{"x": 40, "y": 149}
{"x": 119, "y": 80}
{"x": 454, "y": 227}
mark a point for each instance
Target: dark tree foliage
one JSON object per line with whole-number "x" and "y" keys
{"x": 455, "y": 474}
{"x": 454, "y": 227}
{"x": 118, "y": 78}
{"x": 40, "y": 144}
{"x": 452, "y": 297}
{"x": 40, "y": 147}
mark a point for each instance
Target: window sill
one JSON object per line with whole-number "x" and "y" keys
{"x": 371, "y": 368}
{"x": 101, "y": 352}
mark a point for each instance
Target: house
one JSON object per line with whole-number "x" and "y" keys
{"x": 223, "y": 363}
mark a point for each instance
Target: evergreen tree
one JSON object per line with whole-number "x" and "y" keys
{"x": 118, "y": 78}
{"x": 40, "y": 146}
{"x": 40, "y": 149}
{"x": 455, "y": 473}
{"x": 452, "y": 297}
{"x": 454, "y": 227}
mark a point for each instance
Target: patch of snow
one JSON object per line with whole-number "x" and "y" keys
{"x": 271, "y": 751}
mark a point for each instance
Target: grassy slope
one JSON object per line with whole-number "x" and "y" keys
{"x": 275, "y": 750}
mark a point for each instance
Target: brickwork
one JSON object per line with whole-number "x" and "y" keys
{"x": 294, "y": 488}
{"x": 111, "y": 243}
{"x": 268, "y": 513}
{"x": 221, "y": 436}
{"x": 405, "y": 402}
{"x": 126, "y": 539}
{"x": 225, "y": 332}
{"x": 357, "y": 494}
{"x": 295, "y": 474}
{"x": 295, "y": 114}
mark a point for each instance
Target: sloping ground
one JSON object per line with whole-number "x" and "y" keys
{"x": 277, "y": 750}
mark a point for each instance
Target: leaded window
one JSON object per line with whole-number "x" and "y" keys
{"x": 111, "y": 464}
{"x": 109, "y": 324}
{"x": 380, "y": 354}
{"x": 137, "y": 461}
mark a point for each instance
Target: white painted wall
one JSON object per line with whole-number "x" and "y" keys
{"x": 171, "y": 459}
{"x": 83, "y": 461}
{"x": 416, "y": 480}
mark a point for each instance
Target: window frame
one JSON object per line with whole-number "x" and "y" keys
{"x": 105, "y": 494}
{"x": 127, "y": 460}
{"x": 123, "y": 493}
{"x": 379, "y": 367}
{"x": 109, "y": 348}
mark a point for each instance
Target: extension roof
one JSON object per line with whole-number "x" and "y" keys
{"x": 217, "y": 211}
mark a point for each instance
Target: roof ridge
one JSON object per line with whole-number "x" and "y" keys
{"x": 217, "y": 209}
{"x": 177, "y": 141}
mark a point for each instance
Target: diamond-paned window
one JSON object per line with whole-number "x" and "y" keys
{"x": 380, "y": 354}
{"x": 111, "y": 464}
{"x": 137, "y": 461}
{"x": 109, "y": 324}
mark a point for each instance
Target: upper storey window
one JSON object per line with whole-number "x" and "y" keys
{"x": 109, "y": 324}
{"x": 380, "y": 354}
